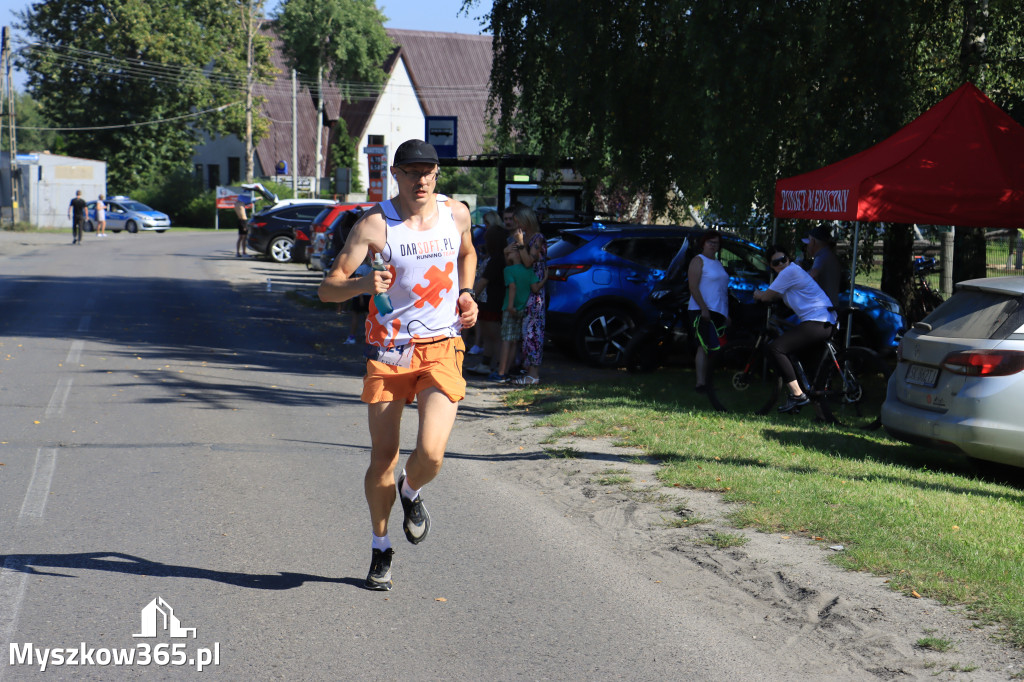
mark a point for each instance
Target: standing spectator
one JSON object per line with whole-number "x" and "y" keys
{"x": 520, "y": 283}
{"x": 1016, "y": 242}
{"x": 243, "y": 202}
{"x": 359, "y": 307}
{"x": 490, "y": 289}
{"x": 101, "y": 217}
{"x": 709, "y": 300}
{"x": 77, "y": 212}
{"x": 534, "y": 250}
{"x": 824, "y": 264}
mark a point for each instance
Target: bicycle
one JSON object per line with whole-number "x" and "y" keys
{"x": 924, "y": 298}
{"x": 848, "y": 385}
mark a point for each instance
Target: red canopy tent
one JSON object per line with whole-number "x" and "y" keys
{"x": 959, "y": 163}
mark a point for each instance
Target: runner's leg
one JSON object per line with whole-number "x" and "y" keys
{"x": 437, "y": 417}
{"x": 379, "y": 483}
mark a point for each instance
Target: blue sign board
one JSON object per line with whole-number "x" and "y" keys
{"x": 443, "y": 133}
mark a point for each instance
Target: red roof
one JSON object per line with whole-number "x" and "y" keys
{"x": 959, "y": 163}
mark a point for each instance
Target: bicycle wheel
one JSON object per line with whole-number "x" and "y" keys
{"x": 852, "y": 394}
{"x": 741, "y": 379}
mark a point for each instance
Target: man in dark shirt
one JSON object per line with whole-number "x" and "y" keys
{"x": 77, "y": 211}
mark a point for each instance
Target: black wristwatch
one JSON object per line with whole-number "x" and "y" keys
{"x": 472, "y": 294}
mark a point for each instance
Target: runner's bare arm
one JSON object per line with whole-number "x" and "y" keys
{"x": 367, "y": 237}
{"x": 467, "y": 263}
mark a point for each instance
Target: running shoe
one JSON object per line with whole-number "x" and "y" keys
{"x": 379, "y": 577}
{"x": 483, "y": 367}
{"x": 417, "y": 521}
{"x": 476, "y": 350}
{"x": 499, "y": 378}
{"x": 794, "y": 403}
{"x": 351, "y": 341}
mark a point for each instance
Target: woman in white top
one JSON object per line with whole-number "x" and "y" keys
{"x": 709, "y": 300}
{"x": 101, "y": 217}
{"x": 814, "y": 311}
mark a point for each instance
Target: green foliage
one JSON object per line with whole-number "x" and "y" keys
{"x": 344, "y": 38}
{"x": 693, "y": 100}
{"x": 344, "y": 153}
{"x": 122, "y": 73}
{"x": 482, "y": 182}
{"x": 30, "y": 120}
{"x": 180, "y": 196}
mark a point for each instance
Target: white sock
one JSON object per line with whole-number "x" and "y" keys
{"x": 407, "y": 492}
{"x": 383, "y": 544}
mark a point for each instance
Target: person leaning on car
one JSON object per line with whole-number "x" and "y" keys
{"x": 243, "y": 222}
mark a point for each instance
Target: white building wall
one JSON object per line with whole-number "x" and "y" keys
{"x": 49, "y": 182}
{"x": 398, "y": 117}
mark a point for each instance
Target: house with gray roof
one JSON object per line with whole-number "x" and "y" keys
{"x": 429, "y": 74}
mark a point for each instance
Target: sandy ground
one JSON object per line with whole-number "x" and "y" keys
{"x": 787, "y": 581}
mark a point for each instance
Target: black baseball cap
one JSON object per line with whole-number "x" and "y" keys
{"x": 821, "y": 233}
{"x": 415, "y": 151}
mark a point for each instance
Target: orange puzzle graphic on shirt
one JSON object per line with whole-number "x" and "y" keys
{"x": 377, "y": 333}
{"x": 438, "y": 282}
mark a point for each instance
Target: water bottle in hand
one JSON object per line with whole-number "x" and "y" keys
{"x": 381, "y": 300}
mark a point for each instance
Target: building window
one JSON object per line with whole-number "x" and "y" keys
{"x": 375, "y": 140}
{"x": 213, "y": 171}
{"x": 234, "y": 169}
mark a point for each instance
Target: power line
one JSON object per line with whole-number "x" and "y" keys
{"x": 171, "y": 74}
{"x": 140, "y": 123}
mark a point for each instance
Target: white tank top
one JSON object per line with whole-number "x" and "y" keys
{"x": 425, "y": 286}
{"x": 714, "y": 287}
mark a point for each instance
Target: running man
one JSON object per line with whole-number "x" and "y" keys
{"x": 416, "y": 351}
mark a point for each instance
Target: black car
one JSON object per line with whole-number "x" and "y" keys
{"x": 271, "y": 232}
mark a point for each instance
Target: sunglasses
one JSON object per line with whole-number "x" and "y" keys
{"x": 779, "y": 261}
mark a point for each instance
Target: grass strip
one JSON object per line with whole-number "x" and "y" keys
{"x": 937, "y": 525}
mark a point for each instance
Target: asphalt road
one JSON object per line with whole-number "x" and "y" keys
{"x": 170, "y": 434}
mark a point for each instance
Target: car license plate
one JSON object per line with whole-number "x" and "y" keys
{"x": 922, "y": 376}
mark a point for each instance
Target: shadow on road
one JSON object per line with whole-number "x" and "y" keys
{"x": 116, "y": 562}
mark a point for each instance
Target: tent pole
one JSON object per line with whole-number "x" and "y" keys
{"x": 853, "y": 281}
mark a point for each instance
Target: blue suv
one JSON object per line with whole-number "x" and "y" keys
{"x": 600, "y": 280}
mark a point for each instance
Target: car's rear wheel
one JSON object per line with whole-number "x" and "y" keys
{"x": 603, "y": 334}
{"x": 280, "y": 249}
{"x": 89, "y": 227}
{"x": 131, "y": 226}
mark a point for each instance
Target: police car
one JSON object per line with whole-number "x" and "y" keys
{"x": 124, "y": 213}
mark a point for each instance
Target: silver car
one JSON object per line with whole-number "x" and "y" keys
{"x": 127, "y": 214}
{"x": 959, "y": 383}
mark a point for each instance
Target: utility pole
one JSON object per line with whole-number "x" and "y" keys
{"x": 319, "y": 130}
{"x": 295, "y": 135}
{"x": 252, "y": 25}
{"x": 5, "y": 60}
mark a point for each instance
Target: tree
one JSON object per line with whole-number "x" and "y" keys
{"x": 709, "y": 102}
{"x": 343, "y": 40}
{"x": 32, "y": 135}
{"x": 134, "y": 82}
{"x": 344, "y": 153}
